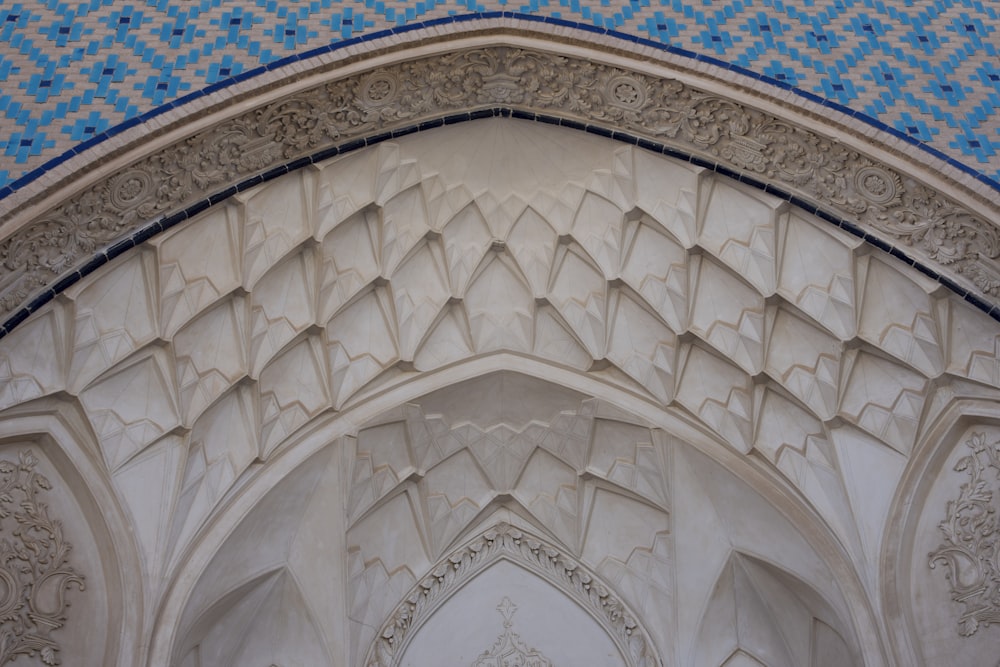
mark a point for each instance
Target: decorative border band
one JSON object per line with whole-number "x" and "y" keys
{"x": 870, "y": 199}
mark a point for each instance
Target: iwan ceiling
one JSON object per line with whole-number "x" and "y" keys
{"x": 503, "y": 359}
{"x": 664, "y": 335}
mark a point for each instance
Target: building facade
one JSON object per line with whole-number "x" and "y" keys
{"x": 602, "y": 335}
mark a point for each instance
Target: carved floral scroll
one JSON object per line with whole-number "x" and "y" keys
{"x": 971, "y": 529}
{"x": 35, "y": 573}
{"x": 509, "y": 649}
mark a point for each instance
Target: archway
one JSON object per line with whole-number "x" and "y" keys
{"x": 222, "y": 355}
{"x": 622, "y": 519}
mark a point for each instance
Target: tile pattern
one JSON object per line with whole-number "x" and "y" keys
{"x": 72, "y": 72}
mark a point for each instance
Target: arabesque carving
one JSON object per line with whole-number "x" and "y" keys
{"x": 971, "y": 552}
{"x": 34, "y": 565}
{"x": 547, "y": 561}
{"x": 839, "y": 179}
{"x": 509, "y": 649}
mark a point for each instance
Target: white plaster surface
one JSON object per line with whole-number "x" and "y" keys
{"x": 544, "y": 620}
{"x": 710, "y": 401}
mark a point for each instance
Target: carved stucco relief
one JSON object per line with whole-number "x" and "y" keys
{"x": 936, "y": 228}
{"x": 509, "y": 649}
{"x": 781, "y": 340}
{"x": 550, "y": 562}
{"x": 35, "y": 572}
{"x": 971, "y": 530}
{"x": 564, "y": 466}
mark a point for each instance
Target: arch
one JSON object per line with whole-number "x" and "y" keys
{"x": 533, "y": 553}
{"x": 771, "y": 379}
{"x": 197, "y": 557}
{"x": 967, "y": 419}
{"x": 895, "y": 204}
{"x": 784, "y": 622}
{"x": 53, "y": 441}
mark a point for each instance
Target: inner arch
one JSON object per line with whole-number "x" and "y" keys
{"x": 508, "y": 610}
{"x": 577, "y": 490}
{"x": 915, "y": 211}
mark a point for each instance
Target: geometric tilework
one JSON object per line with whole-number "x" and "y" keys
{"x": 70, "y": 71}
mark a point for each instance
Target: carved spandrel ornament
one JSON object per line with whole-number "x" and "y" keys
{"x": 971, "y": 529}
{"x": 549, "y": 562}
{"x": 509, "y": 650}
{"x": 35, "y": 573}
{"x": 837, "y": 178}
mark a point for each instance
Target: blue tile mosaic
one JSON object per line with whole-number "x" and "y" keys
{"x": 74, "y": 72}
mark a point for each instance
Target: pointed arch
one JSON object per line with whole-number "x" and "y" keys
{"x": 205, "y": 154}
{"x": 533, "y": 553}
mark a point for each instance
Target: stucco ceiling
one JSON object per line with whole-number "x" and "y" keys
{"x": 301, "y": 401}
